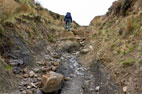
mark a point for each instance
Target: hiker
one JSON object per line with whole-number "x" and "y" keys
{"x": 68, "y": 20}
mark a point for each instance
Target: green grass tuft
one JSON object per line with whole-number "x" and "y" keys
{"x": 8, "y": 67}
{"x": 128, "y": 62}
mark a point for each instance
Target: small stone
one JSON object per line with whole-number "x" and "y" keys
{"x": 25, "y": 75}
{"x": 33, "y": 85}
{"x": 84, "y": 51}
{"x": 67, "y": 78}
{"x": 24, "y": 92}
{"x": 56, "y": 64}
{"x": 21, "y": 89}
{"x": 31, "y": 74}
{"x": 45, "y": 69}
{"x": 36, "y": 70}
{"x": 54, "y": 68}
{"x": 125, "y": 89}
{"x": 71, "y": 75}
{"x": 97, "y": 88}
{"x": 38, "y": 91}
{"x": 29, "y": 92}
{"x": 39, "y": 79}
{"x": 23, "y": 83}
{"x": 29, "y": 87}
{"x": 36, "y": 75}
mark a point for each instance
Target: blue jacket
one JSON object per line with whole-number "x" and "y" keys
{"x": 66, "y": 18}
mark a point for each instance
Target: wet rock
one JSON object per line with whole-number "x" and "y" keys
{"x": 38, "y": 91}
{"x": 125, "y": 89}
{"x": 97, "y": 88}
{"x": 31, "y": 74}
{"x": 52, "y": 82}
{"x": 17, "y": 70}
{"x": 84, "y": 51}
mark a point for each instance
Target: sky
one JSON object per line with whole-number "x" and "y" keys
{"x": 82, "y": 11}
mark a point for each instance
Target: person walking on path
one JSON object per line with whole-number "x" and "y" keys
{"x": 68, "y": 21}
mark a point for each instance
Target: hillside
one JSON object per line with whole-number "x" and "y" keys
{"x": 116, "y": 42}
{"x": 37, "y": 55}
{"x": 25, "y": 30}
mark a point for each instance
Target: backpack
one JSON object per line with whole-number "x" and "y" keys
{"x": 68, "y": 15}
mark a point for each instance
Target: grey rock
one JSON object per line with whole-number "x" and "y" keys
{"x": 38, "y": 91}
{"x": 84, "y": 51}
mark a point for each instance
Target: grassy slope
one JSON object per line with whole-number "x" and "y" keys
{"x": 118, "y": 44}
{"x": 25, "y": 30}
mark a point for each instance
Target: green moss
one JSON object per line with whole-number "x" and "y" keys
{"x": 50, "y": 38}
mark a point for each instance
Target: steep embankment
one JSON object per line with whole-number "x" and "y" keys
{"x": 116, "y": 42}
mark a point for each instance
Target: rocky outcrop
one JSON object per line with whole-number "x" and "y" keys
{"x": 120, "y": 7}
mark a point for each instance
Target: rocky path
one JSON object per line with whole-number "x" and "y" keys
{"x": 78, "y": 79}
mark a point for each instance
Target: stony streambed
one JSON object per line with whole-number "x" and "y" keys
{"x": 93, "y": 80}
{"x": 79, "y": 79}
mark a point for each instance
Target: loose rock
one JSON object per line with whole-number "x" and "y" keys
{"x": 31, "y": 74}
{"x": 56, "y": 64}
{"x": 38, "y": 91}
{"x": 84, "y": 51}
{"x": 125, "y": 89}
{"x": 52, "y": 82}
{"x": 97, "y": 88}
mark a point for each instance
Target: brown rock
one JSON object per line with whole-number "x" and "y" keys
{"x": 54, "y": 68}
{"x": 56, "y": 64}
{"x": 67, "y": 78}
{"x": 84, "y": 51}
{"x": 25, "y": 75}
{"x": 52, "y": 82}
{"x": 29, "y": 92}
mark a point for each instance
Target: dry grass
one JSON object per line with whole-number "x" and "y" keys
{"x": 24, "y": 8}
{"x": 128, "y": 25}
{"x": 97, "y": 21}
{"x": 7, "y": 9}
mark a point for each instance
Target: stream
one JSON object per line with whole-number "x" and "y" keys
{"x": 93, "y": 80}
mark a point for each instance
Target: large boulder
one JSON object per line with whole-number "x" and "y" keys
{"x": 52, "y": 82}
{"x": 69, "y": 45}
